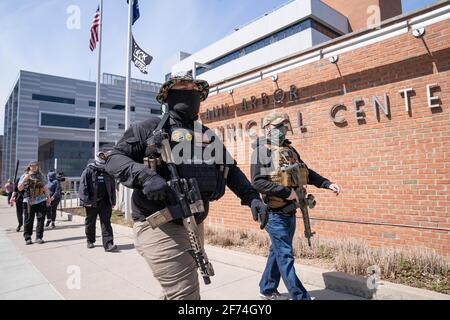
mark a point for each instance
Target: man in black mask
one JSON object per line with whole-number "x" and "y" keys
{"x": 167, "y": 248}
{"x": 97, "y": 194}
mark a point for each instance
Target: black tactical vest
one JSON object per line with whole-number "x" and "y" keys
{"x": 194, "y": 156}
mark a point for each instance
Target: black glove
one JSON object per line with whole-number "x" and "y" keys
{"x": 156, "y": 188}
{"x": 260, "y": 212}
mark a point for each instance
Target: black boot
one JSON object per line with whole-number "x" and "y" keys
{"x": 48, "y": 223}
{"x": 18, "y": 228}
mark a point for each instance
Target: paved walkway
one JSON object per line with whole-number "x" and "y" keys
{"x": 63, "y": 268}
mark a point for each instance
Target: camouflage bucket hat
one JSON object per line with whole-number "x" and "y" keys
{"x": 200, "y": 85}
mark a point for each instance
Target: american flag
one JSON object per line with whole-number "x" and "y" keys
{"x": 94, "y": 30}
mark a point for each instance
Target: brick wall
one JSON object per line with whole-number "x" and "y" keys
{"x": 392, "y": 170}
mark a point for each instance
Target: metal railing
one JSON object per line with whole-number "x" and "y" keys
{"x": 138, "y": 84}
{"x": 69, "y": 199}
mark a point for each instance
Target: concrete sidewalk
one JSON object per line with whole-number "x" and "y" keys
{"x": 20, "y": 279}
{"x": 63, "y": 267}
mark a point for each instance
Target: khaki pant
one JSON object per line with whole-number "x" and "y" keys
{"x": 166, "y": 250}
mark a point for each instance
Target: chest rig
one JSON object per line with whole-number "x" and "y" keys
{"x": 289, "y": 171}
{"x": 35, "y": 186}
{"x": 188, "y": 150}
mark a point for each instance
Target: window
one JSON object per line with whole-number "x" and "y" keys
{"x": 257, "y": 45}
{"x": 41, "y": 97}
{"x": 111, "y": 106}
{"x": 325, "y": 30}
{"x": 294, "y": 29}
{"x": 117, "y": 107}
{"x": 73, "y": 156}
{"x": 156, "y": 111}
{"x": 270, "y": 39}
{"x": 69, "y": 121}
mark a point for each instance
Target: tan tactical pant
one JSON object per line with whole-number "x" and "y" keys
{"x": 166, "y": 250}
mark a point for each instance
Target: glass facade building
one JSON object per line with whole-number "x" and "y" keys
{"x": 277, "y": 35}
{"x": 70, "y": 155}
{"x": 52, "y": 120}
{"x": 270, "y": 39}
{"x": 49, "y": 117}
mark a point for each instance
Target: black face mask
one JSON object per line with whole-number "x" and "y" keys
{"x": 185, "y": 103}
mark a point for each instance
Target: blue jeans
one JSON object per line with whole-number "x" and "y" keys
{"x": 280, "y": 262}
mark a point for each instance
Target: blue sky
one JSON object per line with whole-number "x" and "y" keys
{"x": 34, "y": 35}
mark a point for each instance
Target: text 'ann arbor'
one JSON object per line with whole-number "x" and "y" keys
{"x": 278, "y": 98}
{"x": 339, "y": 113}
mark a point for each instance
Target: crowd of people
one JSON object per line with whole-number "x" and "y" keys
{"x": 36, "y": 196}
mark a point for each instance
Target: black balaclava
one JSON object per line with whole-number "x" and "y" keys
{"x": 184, "y": 105}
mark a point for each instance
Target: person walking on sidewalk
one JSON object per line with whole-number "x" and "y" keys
{"x": 17, "y": 200}
{"x": 272, "y": 153}
{"x": 167, "y": 247}
{"x": 54, "y": 186}
{"x": 9, "y": 189}
{"x": 36, "y": 199}
{"x": 98, "y": 195}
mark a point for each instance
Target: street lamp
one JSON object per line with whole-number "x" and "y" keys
{"x": 198, "y": 64}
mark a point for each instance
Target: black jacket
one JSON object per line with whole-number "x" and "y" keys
{"x": 261, "y": 159}
{"x": 19, "y": 194}
{"x": 126, "y": 163}
{"x": 88, "y": 186}
{"x": 54, "y": 187}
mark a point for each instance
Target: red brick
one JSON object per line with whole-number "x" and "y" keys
{"x": 393, "y": 171}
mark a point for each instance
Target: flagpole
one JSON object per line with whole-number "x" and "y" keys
{"x": 128, "y": 95}
{"x": 97, "y": 92}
